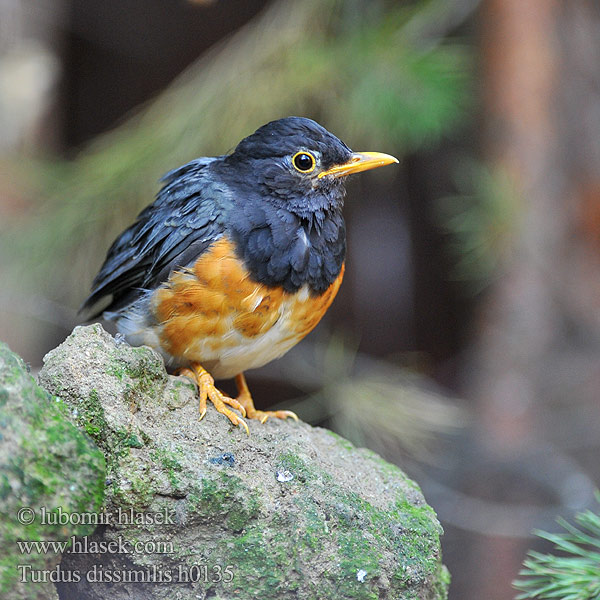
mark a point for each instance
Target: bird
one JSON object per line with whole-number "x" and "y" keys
{"x": 236, "y": 260}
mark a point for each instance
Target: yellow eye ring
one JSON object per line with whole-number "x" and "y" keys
{"x": 304, "y": 161}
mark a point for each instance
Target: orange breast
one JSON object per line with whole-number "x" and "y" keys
{"x": 214, "y": 313}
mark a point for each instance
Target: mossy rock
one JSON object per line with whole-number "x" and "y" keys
{"x": 291, "y": 512}
{"x": 47, "y": 467}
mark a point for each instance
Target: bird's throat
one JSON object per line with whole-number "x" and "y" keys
{"x": 283, "y": 249}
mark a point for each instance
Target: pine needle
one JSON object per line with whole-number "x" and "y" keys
{"x": 575, "y": 574}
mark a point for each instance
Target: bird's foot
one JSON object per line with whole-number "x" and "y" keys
{"x": 245, "y": 399}
{"x": 207, "y": 391}
{"x": 263, "y": 415}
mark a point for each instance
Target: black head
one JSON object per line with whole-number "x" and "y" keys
{"x": 284, "y": 137}
{"x": 287, "y": 186}
{"x": 285, "y": 158}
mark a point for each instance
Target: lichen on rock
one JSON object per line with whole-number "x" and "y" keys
{"x": 290, "y": 512}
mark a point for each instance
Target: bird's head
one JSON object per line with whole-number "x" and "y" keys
{"x": 298, "y": 165}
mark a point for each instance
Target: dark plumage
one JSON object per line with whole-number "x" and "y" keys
{"x": 275, "y": 214}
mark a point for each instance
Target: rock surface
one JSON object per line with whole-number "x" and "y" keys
{"x": 45, "y": 464}
{"x": 290, "y": 512}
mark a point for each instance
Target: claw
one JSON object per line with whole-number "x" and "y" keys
{"x": 243, "y": 403}
{"x": 208, "y": 391}
{"x": 244, "y": 425}
{"x": 291, "y": 414}
{"x": 263, "y": 415}
{"x": 245, "y": 398}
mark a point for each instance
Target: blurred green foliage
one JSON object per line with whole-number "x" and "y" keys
{"x": 481, "y": 222}
{"x": 361, "y": 69}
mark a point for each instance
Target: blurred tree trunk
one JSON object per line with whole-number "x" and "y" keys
{"x": 30, "y": 37}
{"x": 538, "y": 335}
{"x": 29, "y": 71}
{"x": 520, "y": 316}
{"x": 542, "y": 98}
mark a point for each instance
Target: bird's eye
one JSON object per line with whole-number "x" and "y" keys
{"x": 304, "y": 162}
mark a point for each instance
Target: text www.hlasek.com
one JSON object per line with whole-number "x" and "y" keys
{"x": 84, "y": 546}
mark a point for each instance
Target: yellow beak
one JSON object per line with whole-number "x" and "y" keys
{"x": 360, "y": 161}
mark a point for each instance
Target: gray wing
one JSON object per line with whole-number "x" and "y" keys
{"x": 183, "y": 221}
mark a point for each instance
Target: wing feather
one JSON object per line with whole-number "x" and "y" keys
{"x": 183, "y": 221}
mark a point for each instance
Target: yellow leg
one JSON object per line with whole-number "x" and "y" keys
{"x": 245, "y": 399}
{"x": 207, "y": 390}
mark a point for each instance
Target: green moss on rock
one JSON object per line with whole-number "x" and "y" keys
{"x": 294, "y": 512}
{"x": 226, "y": 499}
{"x": 45, "y": 464}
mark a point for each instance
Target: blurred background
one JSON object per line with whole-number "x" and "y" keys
{"x": 464, "y": 344}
